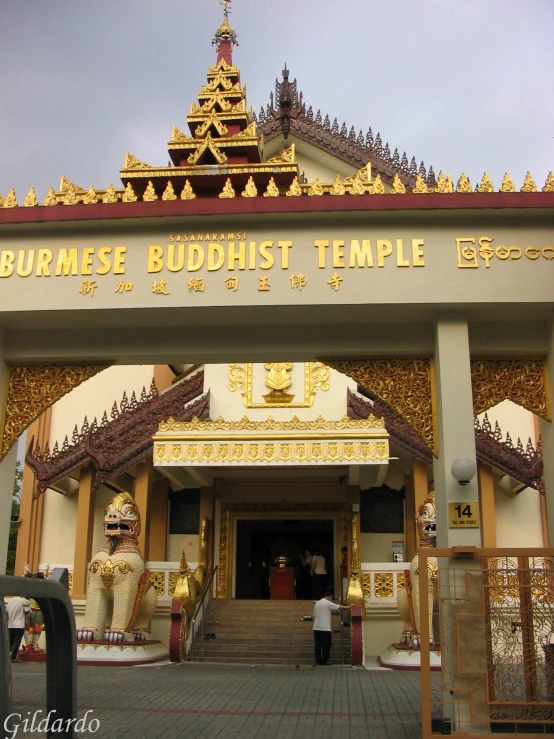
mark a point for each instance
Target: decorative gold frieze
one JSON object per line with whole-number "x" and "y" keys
{"x": 315, "y": 188}
{"x": 383, "y": 583}
{"x": 32, "y": 389}
{"x": 30, "y": 199}
{"x": 549, "y": 183}
{"x": 366, "y": 584}
{"x": 420, "y": 184}
{"x": 464, "y": 185}
{"x": 50, "y": 198}
{"x": 110, "y": 196}
{"x": 169, "y": 192}
{"x": 129, "y": 194}
{"x": 377, "y": 187}
{"x": 529, "y": 184}
{"x": 158, "y": 581}
{"x": 398, "y": 187}
{"x": 188, "y": 193}
{"x": 250, "y": 191}
{"x": 150, "y": 193}
{"x": 405, "y": 384}
{"x": 91, "y": 197}
{"x": 485, "y": 185}
{"x": 521, "y": 381}
{"x": 507, "y": 184}
{"x": 444, "y": 184}
{"x": 228, "y": 191}
{"x": 272, "y": 189}
{"x": 269, "y": 424}
{"x": 241, "y": 377}
{"x": 294, "y": 190}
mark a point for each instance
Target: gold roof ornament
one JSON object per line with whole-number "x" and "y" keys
{"x": 110, "y": 196}
{"x": 507, "y": 184}
{"x": 529, "y": 184}
{"x": 207, "y": 143}
{"x": 485, "y": 185}
{"x": 272, "y": 189}
{"x": 149, "y": 194}
{"x": 31, "y": 199}
{"x": 132, "y": 162}
{"x": 444, "y": 184}
{"x": 91, "y": 197}
{"x": 420, "y": 184}
{"x": 227, "y": 191}
{"x": 294, "y": 190}
{"x": 250, "y": 191}
{"x": 549, "y": 183}
{"x": 169, "y": 192}
{"x": 398, "y": 187}
{"x": 178, "y": 135}
{"x": 2, "y": 199}
{"x": 315, "y": 188}
{"x": 65, "y": 184}
{"x": 338, "y": 187}
{"x": 10, "y": 201}
{"x": 188, "y": 193}
{"x": 214, "y": 121}
{"x": 285, "y": 156}
{"x": 464, "y": 185}
{"x": 377, "y": 188}
{"x": 129, "y": 194}
{"x": 71, "y": 197}
{"x": 355, "y": 186}
{"x": 50, "y": 198}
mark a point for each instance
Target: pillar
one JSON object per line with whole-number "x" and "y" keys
{"x": 7, "y": 467}
{"x": 547, "y": 434}
{"x": 487, "y": 509}
{"x": 143, "y": 482}
{"x": 84, "y": 531}
{"x": 417, "y": 489}
{"x": 157, "y": 530}
{"x": 544, "y": 512}
{"x": 207, "y": 510}
{"x": 31, "y": 511}
{"x": 456, "y": 437}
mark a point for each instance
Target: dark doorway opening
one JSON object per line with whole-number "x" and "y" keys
{"x": 261, "y": 541}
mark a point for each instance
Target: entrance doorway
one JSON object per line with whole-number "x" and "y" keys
{"x": 261, "y": 541}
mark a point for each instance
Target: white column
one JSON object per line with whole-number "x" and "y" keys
{"x": 547, "y": 436}
{"x": 456, "y": 436}
{"x": 7, "y": 474}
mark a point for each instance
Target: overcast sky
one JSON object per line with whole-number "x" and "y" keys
{"x": 465, "y": 85}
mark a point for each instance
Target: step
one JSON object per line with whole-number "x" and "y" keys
{"x": 267, "y": 661}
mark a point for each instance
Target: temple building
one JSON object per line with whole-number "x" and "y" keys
{"x": 252, "y": 465}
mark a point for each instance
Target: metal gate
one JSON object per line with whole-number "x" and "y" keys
{"x": 496, "y": 614}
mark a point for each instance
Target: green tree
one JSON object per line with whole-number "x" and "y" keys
{"x": 14, "y": 526}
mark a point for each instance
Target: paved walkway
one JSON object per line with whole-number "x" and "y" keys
{"x": 208, "y": 701}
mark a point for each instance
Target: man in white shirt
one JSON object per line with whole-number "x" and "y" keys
{"x": 322, "y": 627}
{"x": 16, "y": 608}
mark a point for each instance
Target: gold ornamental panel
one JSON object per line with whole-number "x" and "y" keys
{"x": 407, "y": 385}
{"x": 31, "y": 389}
{"x": 366, "y": 584}
{"x": 172, "y": 582}
{"x": 522, "y": 381}
{"x": 383, "y": 583}
{"x": 400, "y": 580}
{"x": 158, "y": 581}
{"x": 316, "y": 377}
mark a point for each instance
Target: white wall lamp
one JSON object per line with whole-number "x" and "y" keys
{"x": 463, "y": 470}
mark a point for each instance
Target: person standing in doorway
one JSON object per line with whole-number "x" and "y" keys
{"x": 344, "y": 574}
{"x": 323, "y": 633}
{"x": 319, "y": 572}
{"x": 16, "y": 608}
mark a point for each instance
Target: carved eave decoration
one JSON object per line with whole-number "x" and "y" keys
{"x": 132, "y": 162}
{"x": 521, "y": 464}
{"x": 407, "y": 385}
{"x": 524, "y": 382}
{"x": 113, "y": 446}
{"x": 34, "y": 388}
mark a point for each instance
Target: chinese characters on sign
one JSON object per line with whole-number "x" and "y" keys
{"x": 88, "y": 288}
{"x": 159, "y": 287}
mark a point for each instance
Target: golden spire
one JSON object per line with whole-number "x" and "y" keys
{"x": 225, "y": 32}
{"x": 377, "y": 188}
{"x": 10, "y": 201}
{"x": 338, "y": 187}
{"x": 507, "y": 184}
{"x": 149, "y": 194}
{"x": 315, "y": 187}
{"x": 31, "y": 199}
{"x": 91, "y": 197}
{"x": 110, "y": 196}
{"x": 529, "y": 184}
{"x": 129, "y": 194}
{"x": 250, "y": 191}
{"x": 228, "y": 191}
{"x": 464, "y": 185}
{"x": 398, "y": 187}
{"x": 549, "y": 184}
{"x": 485, "y": 185}
{"x": 169, "y": 192}
{"x": 272, "y": 190}
{"x": 71, "y": 197}
{"x": 295, "y": 190}
{"x": 420, "y": 184}
{"x": 188, "y": 193}
{"x": 50, "y": 198}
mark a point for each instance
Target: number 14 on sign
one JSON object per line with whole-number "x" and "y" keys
{"x": 463, "y": 515}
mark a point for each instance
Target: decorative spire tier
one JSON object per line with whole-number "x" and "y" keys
{"x": 223, "y": 142}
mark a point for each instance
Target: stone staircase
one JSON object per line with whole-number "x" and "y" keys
{"x": 265, "y": 632}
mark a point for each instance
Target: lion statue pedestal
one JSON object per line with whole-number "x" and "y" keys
{"x": 120, "y": 598}
{"x": 405, "y": 655}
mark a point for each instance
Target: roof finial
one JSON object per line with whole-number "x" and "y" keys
{"x": 225, "y": 33}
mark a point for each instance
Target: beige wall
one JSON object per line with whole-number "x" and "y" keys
{"x": 514, "y": 419}
{"x": 177, "y": 542}
{"x": 95, "y": 396}
{"x": 518, "y": 518}
{"x": 378, "y": 547}
{"x": 380, "y": 631}
{"x": 58, "y": 528}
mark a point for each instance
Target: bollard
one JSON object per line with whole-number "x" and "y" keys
{"x": 61, "y": 653}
